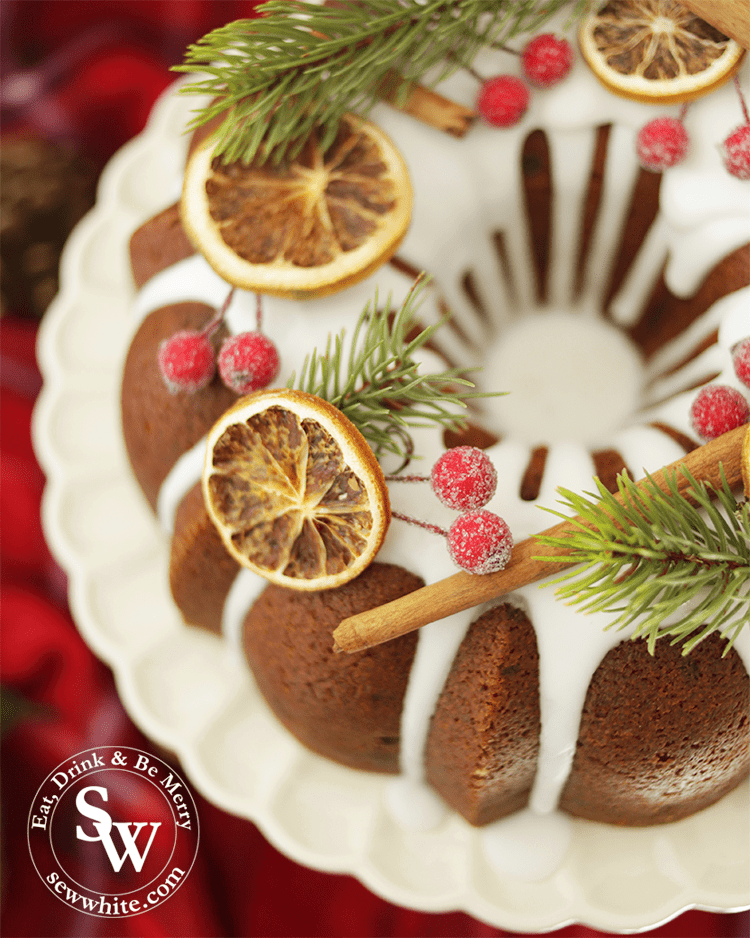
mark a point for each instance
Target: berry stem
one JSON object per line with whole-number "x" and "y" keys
{"x": 432, "y": 528}
{"x": 258, "y": 311}
{"x": 475, "y": 74}
{"x": 401, "y": 478}
{"x": 503, "y": 48}
{"x": 743, "y": 102}
{"x": 468, "y": 67}
{"x": 213, "y": 324}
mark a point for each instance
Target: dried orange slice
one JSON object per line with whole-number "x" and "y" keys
{"x": 656, "y": 51}
{"x": 294, "y": 490}
{"x": 307, "y": 228}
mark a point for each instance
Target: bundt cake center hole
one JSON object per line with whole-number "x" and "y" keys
{"x": 569, "y": 377}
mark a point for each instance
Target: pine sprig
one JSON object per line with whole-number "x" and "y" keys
{"x": 301, "y": 65}
{"x": 378, "y": 385}
{"x": 671, "y": 564}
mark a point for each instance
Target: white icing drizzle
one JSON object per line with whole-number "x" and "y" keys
{"x": 436, "y": 650}
{"x": 571, "y": 647}
{"x": 694, "y": 253}
{"x": 536, "y": 411}
{"x": 646, "y": 449}
{"x": 244, "y": 591}
{"x": 464, "y": 192}
{"x": 189, "y": 280}
{"x": 628, "y": 302}
{"x": 181, "y": 478}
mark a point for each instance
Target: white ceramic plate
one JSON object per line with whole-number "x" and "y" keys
{"x": 189, "y": 692}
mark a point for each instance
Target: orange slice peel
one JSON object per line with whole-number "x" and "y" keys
{"x": 310, "y": 227}
{"x": 656, "y": 51}
{"x": 294, "y": 490}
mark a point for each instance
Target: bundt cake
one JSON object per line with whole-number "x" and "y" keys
{"x": 600, "y": 295}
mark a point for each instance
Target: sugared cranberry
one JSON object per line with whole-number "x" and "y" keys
{"x": 741, "y": 360}
{"x": 503, "y": 100}
{"x": 735, "y": 152}
{"x": 547, "y": 59}
{"x": 248, "y": 361}
{"x": 718, "y": 409}
{"x": 186, "y": 361}
{"x": 464, "y": 478}
{"x": 480, "y": 542}
{"x": 661, "y": 143}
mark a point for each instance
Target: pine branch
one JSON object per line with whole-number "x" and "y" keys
{"x": 671, "y": 564}
{"x": 378, "y": 385}
{"x": 301, "y": 65}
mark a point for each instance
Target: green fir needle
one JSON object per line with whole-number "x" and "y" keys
{"x": 300, "y": 65}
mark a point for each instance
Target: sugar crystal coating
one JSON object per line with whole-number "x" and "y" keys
{"x": 661, "y": 143}
{"x": 718, "y": 409}
{"x": 464, "y": 478}
{"x": 735, "y": 152}
{"x": 547, "y": 59}
{"x": 248, "y": 362}
{"x": 186, "y": 361}
{"x": 480, "y": 542}
{"x": 503, "y": 100}
{"x": 741, "y": 360}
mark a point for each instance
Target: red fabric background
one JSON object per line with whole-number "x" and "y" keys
{"x": 101, "y": 66}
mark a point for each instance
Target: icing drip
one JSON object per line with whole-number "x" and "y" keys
{"x": 628, "y": 302}
{"x": 464, "y": 193}
{"x": 571, "y": 647}
{"x": 182, "y": 477}
{"x": 438, "y": 644}
{"x": 436, "y": 648}
{"x": 243, "y": 593}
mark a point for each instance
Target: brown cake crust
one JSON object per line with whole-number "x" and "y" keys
{"x": 661, "y": 736}
{"x": 157, "y": 425}
{"x": 345, "y": 707}
{"x": 483, "y": 743}
{"x": 201, "y": 571}
{"x": 666, "y": 315}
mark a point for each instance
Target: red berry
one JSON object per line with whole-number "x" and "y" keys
{"x": 503, "y": 100}
{"x": 661, "y": 143}
{"x": 741, "y": 360}
{"x": 718, "y": 409}
{"x": 547, "y": 59}
{"x": 186, "y": 361}
{"x": 480, "y": 542}
{"x": 735, "y": 152}
{"x": 248, "y": 361}
{"x": 464, "y": 478}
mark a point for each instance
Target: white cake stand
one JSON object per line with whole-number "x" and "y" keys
{"x": 188, "y": 691}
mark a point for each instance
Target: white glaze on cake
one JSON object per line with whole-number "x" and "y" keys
{"x": 464, "y": 190}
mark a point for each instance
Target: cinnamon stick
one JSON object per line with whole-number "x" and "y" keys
{"x": 464, "y": 590}
{"x": 731, "y": 17}
{"x": 429, "y": 107}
